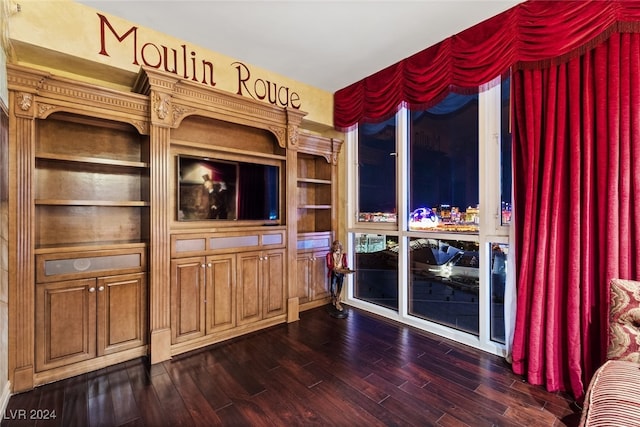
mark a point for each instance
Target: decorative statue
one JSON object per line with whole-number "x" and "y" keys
{"x": 337, "y": 265}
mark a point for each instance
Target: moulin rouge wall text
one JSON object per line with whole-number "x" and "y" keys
{"x": 187, "y": 64}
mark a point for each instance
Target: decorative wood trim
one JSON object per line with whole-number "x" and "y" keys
{"x": 336, "y": 145}
{"x": 329, "y": 148}
{"x": 189, "y": 98}
{"x": 62, "y": 372}
{"x": 160, "y": 345}
{"x": 159, "y": 250}
{"x": 50, "y": 94}
{"x": 226, "y": 335}
{"x": 23, "y": 379}
{"x": 293, "y": 309}
{"x": 21, "y": 258}
{"x": 292, "y": 229}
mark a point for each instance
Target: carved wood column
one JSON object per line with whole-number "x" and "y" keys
{"x": 159, "y": 89}
{"x": 21, "y": 239}
{"x": 336, "y": 145}
{"x": 294, "y": 118}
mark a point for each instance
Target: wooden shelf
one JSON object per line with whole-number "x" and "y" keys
{"x": 91, "y": 183}
{"x": 91, "y": 160}
{"x": 315, "y": 192}
{"x": 59, "y": 202}
{"x": 314, "y": 181}
{"x": 314, "y": 206}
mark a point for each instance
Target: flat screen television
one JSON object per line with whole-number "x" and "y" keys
{"x": 224, "y": 190}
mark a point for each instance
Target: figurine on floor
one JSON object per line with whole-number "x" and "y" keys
{"x": 337, "y": 265}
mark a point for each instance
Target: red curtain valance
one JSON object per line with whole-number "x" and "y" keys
{"x": 531, "y": 34}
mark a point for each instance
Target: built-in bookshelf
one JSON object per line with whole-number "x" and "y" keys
{"x": 91, "y": 183}
{"x": 317, "y": 222}
{"x": 314, "y": 193}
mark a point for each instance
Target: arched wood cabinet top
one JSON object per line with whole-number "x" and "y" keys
{"x": 39, "y": 94}
{"x": 172, "y": 100}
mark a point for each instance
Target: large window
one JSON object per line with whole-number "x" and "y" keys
{"x": 443, "y": 166}
{"x": 376, "y": 265}
{"x": 430, "y": 202}
{"x": 377, "y": 172}
{"x": 444, "y": 282}
{"x": 499, "y": 254}
{"x": 505, "y": 152}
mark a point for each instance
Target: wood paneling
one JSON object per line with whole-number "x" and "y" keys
{"x": 221, "y": 293}
{"x": 249, "y": 291}
{"x": 187, "y": 298}
{"x": 122, "y": 312}
{"x": 202, "y": 131}
{"x": 274, "y": 285}
{"x": 65, "y": 323}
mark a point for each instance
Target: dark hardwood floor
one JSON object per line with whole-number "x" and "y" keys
{"x": 359, "y": 371}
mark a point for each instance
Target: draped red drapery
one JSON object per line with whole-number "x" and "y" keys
{"x": 531, "y": 34}
{"x": 577, "y": 190}
{"x": 576, "y": 143}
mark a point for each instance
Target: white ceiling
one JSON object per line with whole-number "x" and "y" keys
{"x": 328, "y": 44}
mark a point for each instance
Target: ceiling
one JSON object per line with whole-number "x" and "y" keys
{"x": 328, "y": 44}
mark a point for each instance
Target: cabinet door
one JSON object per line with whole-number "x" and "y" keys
{"x": 121, "y": 312}
{"x": 187, "y": 299}
{"x": 65, "y": 323}
{"x": 303, "y": 264}
{"x": 249, "y": 290}
{"x": 220, "y": 299}
{"x": 273, "y": 286}
{"x": 319, "y": 280}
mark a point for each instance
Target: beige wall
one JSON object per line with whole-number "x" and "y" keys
{"x": 64, "y": 36}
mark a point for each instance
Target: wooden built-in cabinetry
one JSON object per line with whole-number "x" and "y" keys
{"x": 91, "y": 209}
{"x": 226, "y": 284}
{"x": 103, "y": 268}
{"x": 79, "y": 320}
{"x": 314, "y": 194}
{"x": 91, "y": 182}
{"x": 202, "y": 296}
{"x": 316, "y": 191}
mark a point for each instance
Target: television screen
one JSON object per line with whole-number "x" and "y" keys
{"x": 211, "y": 189}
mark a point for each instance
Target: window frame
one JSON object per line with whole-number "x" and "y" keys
{"x": 490, "y": 231}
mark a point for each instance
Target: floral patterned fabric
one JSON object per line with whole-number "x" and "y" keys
{"x": 624, "y": 320}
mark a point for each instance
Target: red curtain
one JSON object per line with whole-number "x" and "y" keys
{"x": 577, "y": 193}
{"x": 531, "y": 34}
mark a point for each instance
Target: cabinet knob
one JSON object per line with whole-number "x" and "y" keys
{"x": 92, "y": 289}
{"x": 266, "y": 257}
{"x": 203, "y": 266}
{"x": 101, "y": 288}
{"x": 209, "y": 265}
